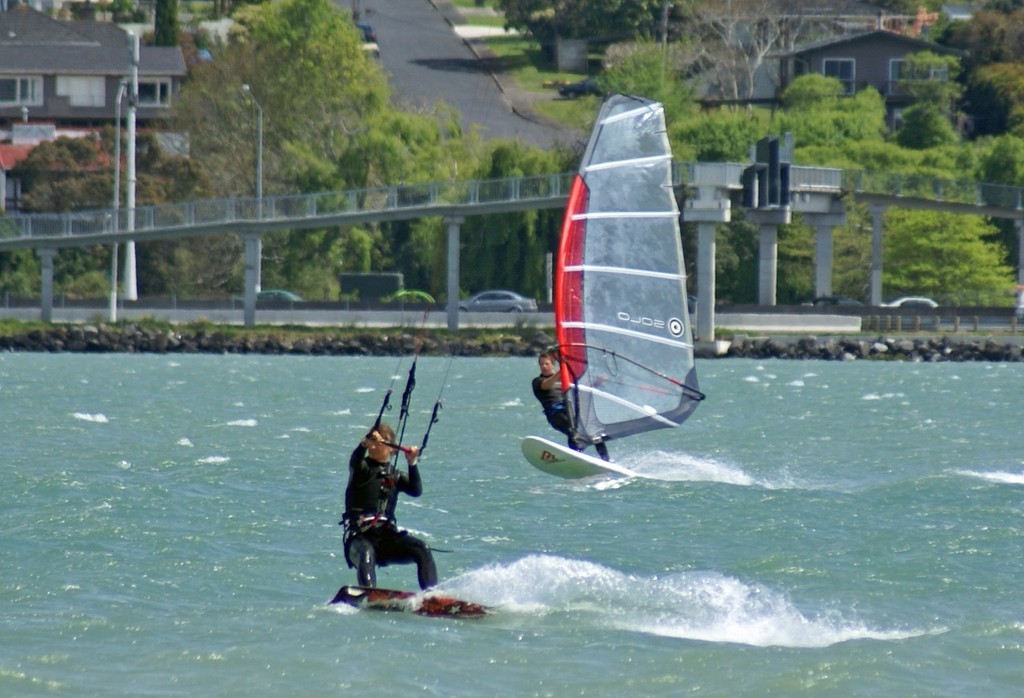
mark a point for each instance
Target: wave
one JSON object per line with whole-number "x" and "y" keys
{"x": 702, "y": 606}
{"x": 670, "y": 466}
{"x": 242, "y": 423}
{"x": 999, "y": 476}
{"x": 85, "y": 417}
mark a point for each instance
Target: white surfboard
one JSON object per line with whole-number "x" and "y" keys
{"x": 562, "y": 461}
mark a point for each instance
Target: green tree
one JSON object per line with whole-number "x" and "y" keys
{"x": 718, "y": 136}
{"x": 499, "y": 245}
{"x": 824, "y": 122}
{"x": 645, "y": 68}
{"x": 165, "y": 23}
{"x": 601, "y": 20}
{"x": 924, "y": 126}
{"x": 945, "y": 256}
{"x": 995, "y": 93}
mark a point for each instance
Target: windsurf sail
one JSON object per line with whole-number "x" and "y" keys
{"x": 621, "y": 317}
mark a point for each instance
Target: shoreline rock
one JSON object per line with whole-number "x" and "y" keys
{"x": 132, "y": 338}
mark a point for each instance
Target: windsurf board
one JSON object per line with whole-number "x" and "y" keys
{"x": 562, "y": 461}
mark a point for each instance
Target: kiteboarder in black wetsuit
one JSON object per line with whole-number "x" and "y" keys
{"x": 547, "y": 388}
{"x": 372, "y": 537}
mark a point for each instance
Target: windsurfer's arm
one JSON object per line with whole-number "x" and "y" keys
{"x": 549, "y": 382}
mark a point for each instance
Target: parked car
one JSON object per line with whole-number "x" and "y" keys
{"x": 368, "y": 34}
{"x": 587, "y": 86}
{"x": 274, "y": 295}
{"x": 370, "y": 44}
{"x": 912, "y": 302}
{"x": 498, "y": 302}
{"x": 821, "y": 301}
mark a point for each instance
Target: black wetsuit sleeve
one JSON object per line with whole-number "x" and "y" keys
{"x": 358, "y": 457}
{"x": 410, "y": 483}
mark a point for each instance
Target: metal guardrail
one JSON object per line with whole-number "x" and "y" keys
{"x": 54, "y": 228}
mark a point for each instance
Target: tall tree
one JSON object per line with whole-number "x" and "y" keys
{"x": 166, "y": 29}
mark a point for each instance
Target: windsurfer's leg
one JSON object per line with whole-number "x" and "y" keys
{"x": 364, "y": 556}
{"x": 562, "y": 422}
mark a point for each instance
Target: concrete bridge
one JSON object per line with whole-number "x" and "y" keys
{"x": 709, "y": 189}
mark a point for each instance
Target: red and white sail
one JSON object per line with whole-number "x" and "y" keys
{"x": 620, "y": 284}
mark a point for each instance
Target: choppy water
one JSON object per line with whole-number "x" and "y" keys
{"x": 169, "y": 527}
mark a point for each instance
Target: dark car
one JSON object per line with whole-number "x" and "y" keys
{"x": 368, "y": 34}
{"x": 821, "y": 301}
{"x": 579, "y": 89}
{"x": 498, "y": 302}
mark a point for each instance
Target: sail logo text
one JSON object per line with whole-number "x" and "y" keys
{"x": 675, "y": 325}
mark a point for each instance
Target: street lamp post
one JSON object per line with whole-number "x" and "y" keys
{"x": 121, "y": 87}
{"x": 259, "y": 148}
{"x": 254, "y": 245}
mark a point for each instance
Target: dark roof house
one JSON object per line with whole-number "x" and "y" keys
{"x": 868, "y": 59}
{"x": 69, "y": 72}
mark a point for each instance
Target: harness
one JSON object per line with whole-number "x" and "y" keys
{"x": 357, "y": 524}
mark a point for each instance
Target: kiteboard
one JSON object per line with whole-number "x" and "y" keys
{"x": 562, "y": 461}
{"x": 424, "y": 604}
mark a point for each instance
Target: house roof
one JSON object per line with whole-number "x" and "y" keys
{"x": 11, "y": 155}
{"x": 32, "y": 43}
{"x": 876, "y": 35}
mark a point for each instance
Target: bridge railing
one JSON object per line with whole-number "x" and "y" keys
{"x": 923, "y": 187}
{"x": 488, "y": 191}
{"x": 287, "y": 207}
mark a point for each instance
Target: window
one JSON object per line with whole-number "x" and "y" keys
{"x": 21, "y": 90}
{"x": 82, "y": 91}
{"x": 900, "y": 74}
{"x": 154, "y": 93}
{"x": 843, "y": 69}
{"x": 897, "y": 71}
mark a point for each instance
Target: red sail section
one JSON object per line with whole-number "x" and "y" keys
{"x": 569, "y": 284}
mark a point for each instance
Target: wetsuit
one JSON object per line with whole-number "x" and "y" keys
{"x": 553, "y": 403}
{"x": 371, "y": 536}
{"x": 558, "y": 415}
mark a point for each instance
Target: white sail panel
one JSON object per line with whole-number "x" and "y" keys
{"x": 621, "y": 314}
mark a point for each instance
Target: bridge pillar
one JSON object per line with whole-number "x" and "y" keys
{"x": 453, "y": 223}
{"x": 253, "y": 250}
{"x": 823, "y": 261}
{"x": 1019, "y": 225}
{"x": 767, "y": 264}
{"x": 768, "y": 222}
{"x": 877, "y": 211}
{"x": 709, "y": 207}
{"x": 823, "y": 248}
{"x": 46, "y": 255}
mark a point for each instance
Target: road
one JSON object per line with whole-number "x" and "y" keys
{"x": 427, "y": 63}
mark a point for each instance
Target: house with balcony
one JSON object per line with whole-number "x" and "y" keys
{"x": 68, "y": 73}
{"x": 876, "y": 58}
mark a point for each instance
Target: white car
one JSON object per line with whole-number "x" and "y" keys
{"x": 499, "y": 302}
{"x": 912, "y": 302}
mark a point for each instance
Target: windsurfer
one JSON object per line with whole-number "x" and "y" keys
{"x": 547, "y": 388}
{"x": 372, "y": 537}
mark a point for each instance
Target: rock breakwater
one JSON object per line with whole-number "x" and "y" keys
{"x": 132, "y": 338}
